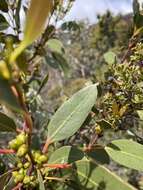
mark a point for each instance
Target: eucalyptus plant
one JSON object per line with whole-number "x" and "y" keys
{"x": 51, "y": 165}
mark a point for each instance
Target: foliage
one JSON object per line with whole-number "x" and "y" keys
{"x": 28, "y": 160}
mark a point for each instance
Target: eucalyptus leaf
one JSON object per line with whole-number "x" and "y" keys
{"x": 71, "y": 115}
{"x": 7, "y": 97}
{"x": 40, "y": 179}
{"x": 3, "y": 6}
{"x": 65, "y": 154}
{"x": 10, "y": 185}
{"x": 6, "y": 123}
{"x": 35, "y": 22}
{"x": 127, "y": 153}
{"x": 99, "y": 155}
{"x": 3, "y": 23}
{"x": 4, "y": 178}
{"x": 96, "y": 177}
{"x": 55, "y": 45}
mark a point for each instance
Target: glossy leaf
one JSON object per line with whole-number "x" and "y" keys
{"x": 37, "y": 15}
{"x": 65, "y": 154}
{"x": 40, "y": 179}
{"x": 7, "y": 97}
{"x": 71, "y": 115}
{"x": 3, "y": 23}
{"x": 6, "y": 123}
{"x": 96, "y": 177}
{"x": 127, "y": 153}
{"x": 3, "y": 6}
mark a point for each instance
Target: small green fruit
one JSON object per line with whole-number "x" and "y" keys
{"x": 15, "y": 173}
{"x": 21, "y": 139}
{"x": 18, "y": 178}
{"x": 13, "y": 144}
{"x": 43, "y": 158}
{"x": 19, "y": 165}
{"x": 21, "y": 171}
{"x": 23, "y": 149}
{"x": 26, "y": 180}
{"x": 26, "y": 165}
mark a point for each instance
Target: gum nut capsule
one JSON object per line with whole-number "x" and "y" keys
{"x": 15, "y": 173}
{"x": 13, "y": 144}
{"x": 21, "y": 139}
{"x": 19, "y": 178}
{"x": 26, "y": 165}
{"x": 22, "y": 150}
{"x": 26, "y": 180}
{"x": 19, "y": 165}
{"x": 43, "y": 158}
{"x": 21, "y": 171}
{"x": 36, "y": 155}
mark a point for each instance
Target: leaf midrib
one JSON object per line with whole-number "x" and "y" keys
{"x": 123, "y": 152}
{"x": 60, "y": 127}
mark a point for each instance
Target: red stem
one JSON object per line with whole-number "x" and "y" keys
{"x": 57, "y": 166}
{"x": 7, "y": 151}
{"x": 18, "y": 187}
{"x": 45, "y": 148}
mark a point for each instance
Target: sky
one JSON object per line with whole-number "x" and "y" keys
{"x": 88, "y": 9}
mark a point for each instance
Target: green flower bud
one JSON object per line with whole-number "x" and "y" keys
{"x": 43, "y": 158}
{"x": 32, "y": 178}
{"x": 15, "y": 173}
{"x": 33, "y": 183}
{"x": 21, "y": 139}
{"x": 26, "y": 165}
{"x": 36, "y": 156}
{"x": 19, "y": 165}
{"x": 18, "y": 178}
{"x": 21, "y": 171}
{"x": 26, "y": 180}
{"x": 22, "y": 150}
{"x": 13, "y": 144}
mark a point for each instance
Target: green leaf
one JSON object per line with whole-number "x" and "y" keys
{"x": 43, "y": 83}
{"x": 61, "y": 61}
{"x": 4, "y": 178}
{"x": 70, "y": 26}
{"x": 71, "y": 115}
{"x": 93, "y": 176}
{"x": 66, "y": 154}
{"x": 3, "y": 23}
{"x": 7, "y": 97}
{"x": 3, "y": 6}
{"x": 35, "y": 22}
{"x": 127, "y": 153}
{"x": 55, "y": 46}
{"x": 10, "y": 185}
{"x": 17, "y": 14}
{"x": 6, "y": 123}
{"x": 57, "y": 61}
{"x": 99, "y": 155}
{"x": 40, "y": 179}
{"x": 110, "y": 57}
